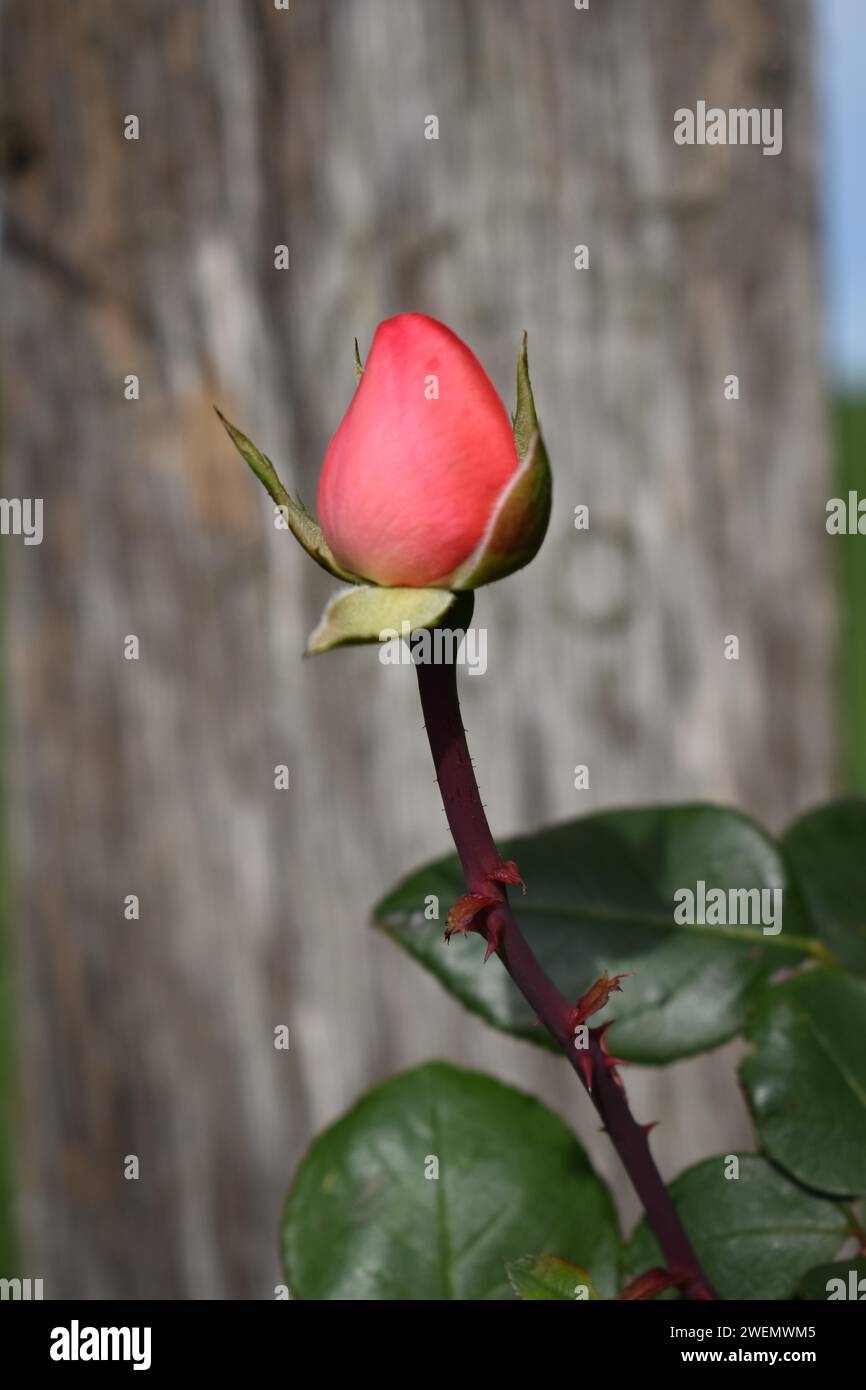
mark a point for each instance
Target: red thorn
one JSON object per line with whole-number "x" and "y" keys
{"x": 609, "y": 1060}
{"x": 584, "y": 1062}
{"x": 462, "y": 915}
{"x": 646, "y": 1128}
{"x": 508, "y": 873}
{"x": 596, "y": 997}
{"x": 494, "y": 938}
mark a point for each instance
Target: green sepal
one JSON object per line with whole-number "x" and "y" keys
{"x": 302, "y": 526}
{"x": 524, "y": 421}
{"x": 362, "y": 614}
{"x": 519, "y": 521}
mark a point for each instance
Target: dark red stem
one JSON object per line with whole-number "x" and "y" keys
{"x": 480, "y": 858}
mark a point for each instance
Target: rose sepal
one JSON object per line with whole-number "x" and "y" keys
{"x": 302, "y": 525}
{"x": 369, "y": 613}
{"x": 520, "y": 518}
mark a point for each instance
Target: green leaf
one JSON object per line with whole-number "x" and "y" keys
{"x": 538, "y": 1277}
{"x": 302, "y": 526}
{"x": 806, "y": 1081}
{"x": 362, "y": 614}
{"x": 600, "y": 897}
{"x": 754, "y": 1235}
{"x": 364, "y": 1221}
{"x": 825, "y": 854}
{"x": 836, "y": 1282}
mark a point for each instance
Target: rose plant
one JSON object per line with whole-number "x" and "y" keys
{"x": 442, "y": 1183}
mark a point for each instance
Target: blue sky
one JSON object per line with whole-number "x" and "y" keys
{"x": 842, "y": 73}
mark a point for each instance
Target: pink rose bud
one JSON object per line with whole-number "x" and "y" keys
{"x": 426, "y": 483}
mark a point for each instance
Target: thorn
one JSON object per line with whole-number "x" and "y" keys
{"x": 462, "y": 916}
{"x": 584, "y": 1062}
{"x": 508, "y": 872}
{"x": 596, "y": 997}
{"x": 609, "y": 1060}
{"x": 646, "y": 1128}
{"x": 612, "y": 1062}
{"x": 494, "y": 938}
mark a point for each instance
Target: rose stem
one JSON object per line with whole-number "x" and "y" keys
{"x": 479, "y": 857}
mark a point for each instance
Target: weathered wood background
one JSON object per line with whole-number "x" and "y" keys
{"x": 156, "y": 257}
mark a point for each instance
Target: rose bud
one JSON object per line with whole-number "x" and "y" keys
{"x": 427, "y": 488}
{"x": 424, "y": 483}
